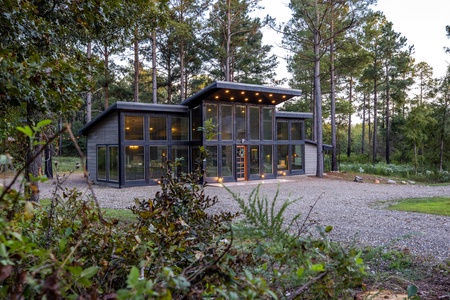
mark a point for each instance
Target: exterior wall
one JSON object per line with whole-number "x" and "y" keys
{"x": 104, "y": 133}
{"x": 310, "y": 159}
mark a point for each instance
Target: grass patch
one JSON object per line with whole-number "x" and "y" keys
{"x": 123, "y": 215}
{"x": 434, "y": 205}
{"x": 67, "y": 164}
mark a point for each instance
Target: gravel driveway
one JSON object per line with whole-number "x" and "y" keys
{"x": 355, "y": 210}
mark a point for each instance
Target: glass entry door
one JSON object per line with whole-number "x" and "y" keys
{"x": 241, "y": 163}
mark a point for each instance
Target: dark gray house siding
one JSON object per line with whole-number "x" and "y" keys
{"x": 105, "y": 133}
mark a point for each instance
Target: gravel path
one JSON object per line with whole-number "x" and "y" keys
{"x": 355, "y": 210}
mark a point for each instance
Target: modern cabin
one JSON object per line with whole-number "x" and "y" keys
{"x": 245, "y": 137}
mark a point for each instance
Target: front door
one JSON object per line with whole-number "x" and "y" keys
{"x": 241, "y": 163}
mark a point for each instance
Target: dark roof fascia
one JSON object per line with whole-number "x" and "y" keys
{"x": 293, "y": 115}
{"x": 196, "y": 99}
{"x": 324, "y": 146}
{"x": 134, "y": 107}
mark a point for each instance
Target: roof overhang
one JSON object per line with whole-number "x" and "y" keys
{"x": 242, "y": 93}
{"x": 293, "y": 115}
{"x": 134, "y": 107}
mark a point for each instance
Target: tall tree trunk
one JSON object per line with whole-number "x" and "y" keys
{"x": 228, "y": 39}
{"x": 89, "y": 93}
{"x": 363, "y": 134}
{"x": 318, "y": 97}
{"x": 388, "y": 127}
{"x": 349, "y": 129}
{"x": 182, "y": 79}
{"x": 333, "y": 102}
{"x": 375, "y": 122}
{"x": 136, "y": 65}
{"x": 106, "y": 88}
{"x": 154, "y": 78}
{"x": 48, "y": 161}
{"x": 33, "y": 160}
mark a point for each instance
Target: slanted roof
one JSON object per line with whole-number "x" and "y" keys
{"x": 293, "y": 115}
{"x": 242, "y": 92}
{"x": 134, "y": 107}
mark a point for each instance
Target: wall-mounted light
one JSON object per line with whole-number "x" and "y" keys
{"x": 284, "y": 173}
{"x": 134, "y": 147}
{"x": 220, "y": 179}
{"x": 262, "y": 176}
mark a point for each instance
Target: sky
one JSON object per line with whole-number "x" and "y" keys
{"x": 422, "y": 22}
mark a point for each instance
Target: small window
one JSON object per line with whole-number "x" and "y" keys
{"x": 196, "y": 116}
{"x": 180, "y": 159}
{"x": 211, "y": 122}
{"x": 241, "y": 122}
{"x": 134, "y": 163}
{"x": 114, "y": 163}
{"x": 296, "y": 131}
{"x": 226, "y": 122}
{"x": 267, "y": 124}
{"x": 180, "y": 128}
{"x": 297, "y": 157}
{"x": 134, "y": 128}
{"x": 101, "y": 163}
{"x": 254, "y": 159}
{"x": 282, "y": 131}
{"x": 282, "y": 163}
{"x": 227, "y": 161}
{"x": 267, "y": 159}
{"x": 211, "y": 161}
{"x": 158, "y": 159}
{"x": 158, "y": 128}
{"x": 254, "y": 126}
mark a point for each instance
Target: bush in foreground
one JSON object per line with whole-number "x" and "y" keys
{"x": 175, "y": 249}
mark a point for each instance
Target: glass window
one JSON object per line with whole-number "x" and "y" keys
{"x": 158, "y": 128}
{"x": 134, "y": 163}
{"x": 227, "y": 161}
{"x": 240, "y": 122}
{"x": 101, "y": 162}
{"x": 254, "y": 127}
{"x": 254, "y": 159}
{"x": 180, "y": 159}
{"x": 196, "y": 123}
{"x": 196, "y": 160}
{"x": 297, "y": 155}
{"x": 267, "y": 124}
{"x": 134, "y": 128}
{"x": 114, "y": 163}
{"x": 211, "y": 161}
{"x": 180, "y": 128}
{"x": 226, "y": 122}
{"x": 296, "y": 131}
{"x": 158, "y": 159}
{"x": 267, "y": 159}
{"x": 282, "y": 131}
{"x": 282, "y": 161}
{"x": 211, "y": 122}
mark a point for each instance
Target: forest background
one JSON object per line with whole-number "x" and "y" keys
{"x": 372, "y": 101}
